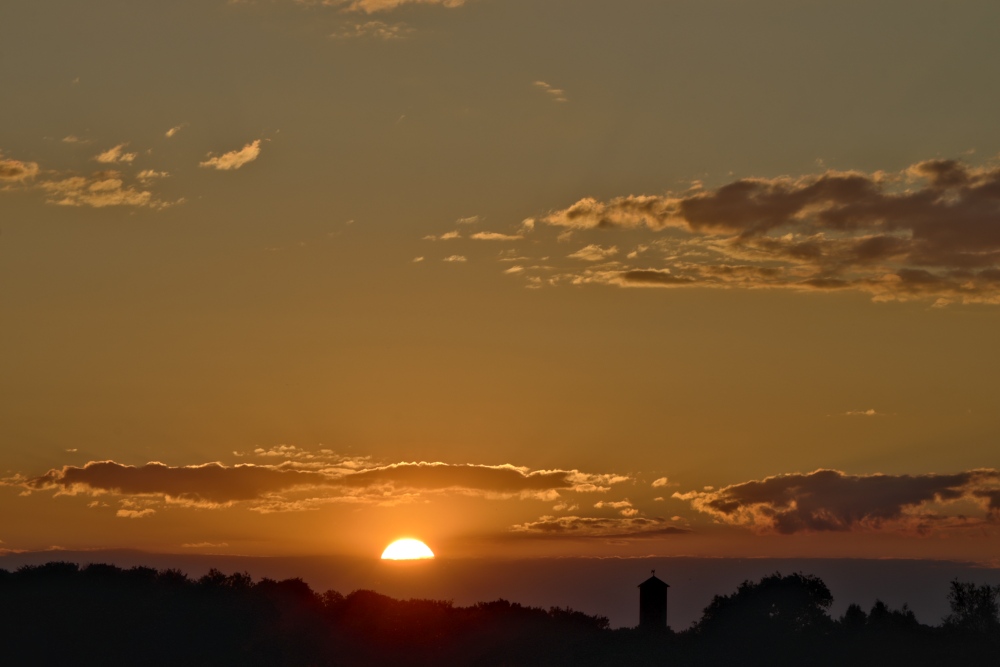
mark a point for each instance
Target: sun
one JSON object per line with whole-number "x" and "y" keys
{"x": 407, "y": 549}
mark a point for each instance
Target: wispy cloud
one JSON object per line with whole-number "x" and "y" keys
{"x": 594, "y": 253}
{"x": 99, "y": 190}
{"x": 447, "y": 236}
{"x": 373, "y": 6}
{"x": 174, "y": 130}
{"x": 455, "y": 258}
{"x": 374, "y": 29}
{"x": 555, "y": 94}
{"x": 233, "y": 159}
{"x": 496, "y": 236}
{"x": 115, "y": 154}
{"x": 16, "y": 171}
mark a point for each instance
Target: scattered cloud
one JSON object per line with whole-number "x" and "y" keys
{"x": 418, "y": 259}
{"x": 662, "y": 481}
{"x": 471, "y": 220}
{"x": 99, "y": 190}
{"x": 928, "y": 232}
{"x": 830, "y": 500}
{"x": 555, "y": 94}
{"x": 870, "y": 412}
{"x": 594, "y": 253}
{"x": 16, "y": 171}
{"x": 233, "y": 159}
{"x": 73, "y": 139}
{"x": 134, "y": 514}
{"x": 454, "y": 258}
{"x": 374, "y": 29}
{"x": 116, "y": 154}
{"x": 174, "y": 130}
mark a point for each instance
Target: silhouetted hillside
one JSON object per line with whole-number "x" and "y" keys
{"x": 62, "y": 614}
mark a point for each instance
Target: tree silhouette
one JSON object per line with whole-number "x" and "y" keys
{"x": 973, "y": 608}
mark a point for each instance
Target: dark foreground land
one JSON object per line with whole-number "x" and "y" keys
{"x": 62, "y": 614}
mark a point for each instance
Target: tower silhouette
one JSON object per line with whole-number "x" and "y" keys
{"x": 653, "y": 604}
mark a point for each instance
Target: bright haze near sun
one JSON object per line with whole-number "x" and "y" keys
{"x": 407, "y": 549}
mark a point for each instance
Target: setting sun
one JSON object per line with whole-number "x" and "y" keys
{"x": 407, "y": 549}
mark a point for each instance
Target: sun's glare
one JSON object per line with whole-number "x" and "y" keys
{"x": 407, "y": 549}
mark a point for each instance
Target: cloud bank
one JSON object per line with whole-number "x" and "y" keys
{"x": 303, "y": 480}
{"x": 830, "y": 500}
{"x": 931, "y": 231}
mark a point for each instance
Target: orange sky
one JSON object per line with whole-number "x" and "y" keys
{"x": 516, "y": 277}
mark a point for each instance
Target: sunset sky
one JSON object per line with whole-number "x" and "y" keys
{"x": 514, "y": 277}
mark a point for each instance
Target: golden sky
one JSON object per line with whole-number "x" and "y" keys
{"x": 515, "y": 277}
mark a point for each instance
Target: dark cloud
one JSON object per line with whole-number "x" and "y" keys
{"x": 572, "y": 527}
{"x": 211, "y": 483}
{"x": 503, "y": 479}
{"x": 929, "y": 231}
{"x": 830, "y": 500}
{"x": 17, "y": 171}
{"x": 323, "y": 475}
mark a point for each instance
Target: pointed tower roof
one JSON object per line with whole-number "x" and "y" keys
{"x": 654, "y": 582}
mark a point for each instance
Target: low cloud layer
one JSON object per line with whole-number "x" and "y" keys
{"x": 304, "y": 480}
{"x": 577, "y": 527}
{"x": 373, "y": 6}
{"x": 830, "y": 500}
{"x": 928, "y": 232}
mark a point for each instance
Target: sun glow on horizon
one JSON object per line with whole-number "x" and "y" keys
{"x": 407, "y": 549}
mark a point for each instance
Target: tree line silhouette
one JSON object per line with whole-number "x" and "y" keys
{"x": 61, "y": 614}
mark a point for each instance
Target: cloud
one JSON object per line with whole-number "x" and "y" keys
{"x": 233, "y": 159}
{"x": 99, "y": 190}
{"x": 147, "y": 175}
{"x": 594, "y": 253}
{"x": 931, "y": 231}
{"x": 115, "y": 154}
{"x": 174, "y": 130}
{"x": 870, "y": 412}
{"x": 455, "y": 258}
{"x": 447, "y": 236}
{"x": 418, "y": 259}
{"x": 374, "y": 29}
{"x": 373, "y": 6}
{"x": 471, "y": 220}
{"x": 205, "y": 545}
{"x": 830, "y": 500}
{"x": 577, "y": 527}
{"x": 16, "y": 171}
{"x": 299, "y": 479}
{"x": 662, "y": 481}
{"x": 209, "y": 483}
{"x": 555, "y": 94}
{"x": 134, "y": 514}
{"x": 496, "y": 236}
